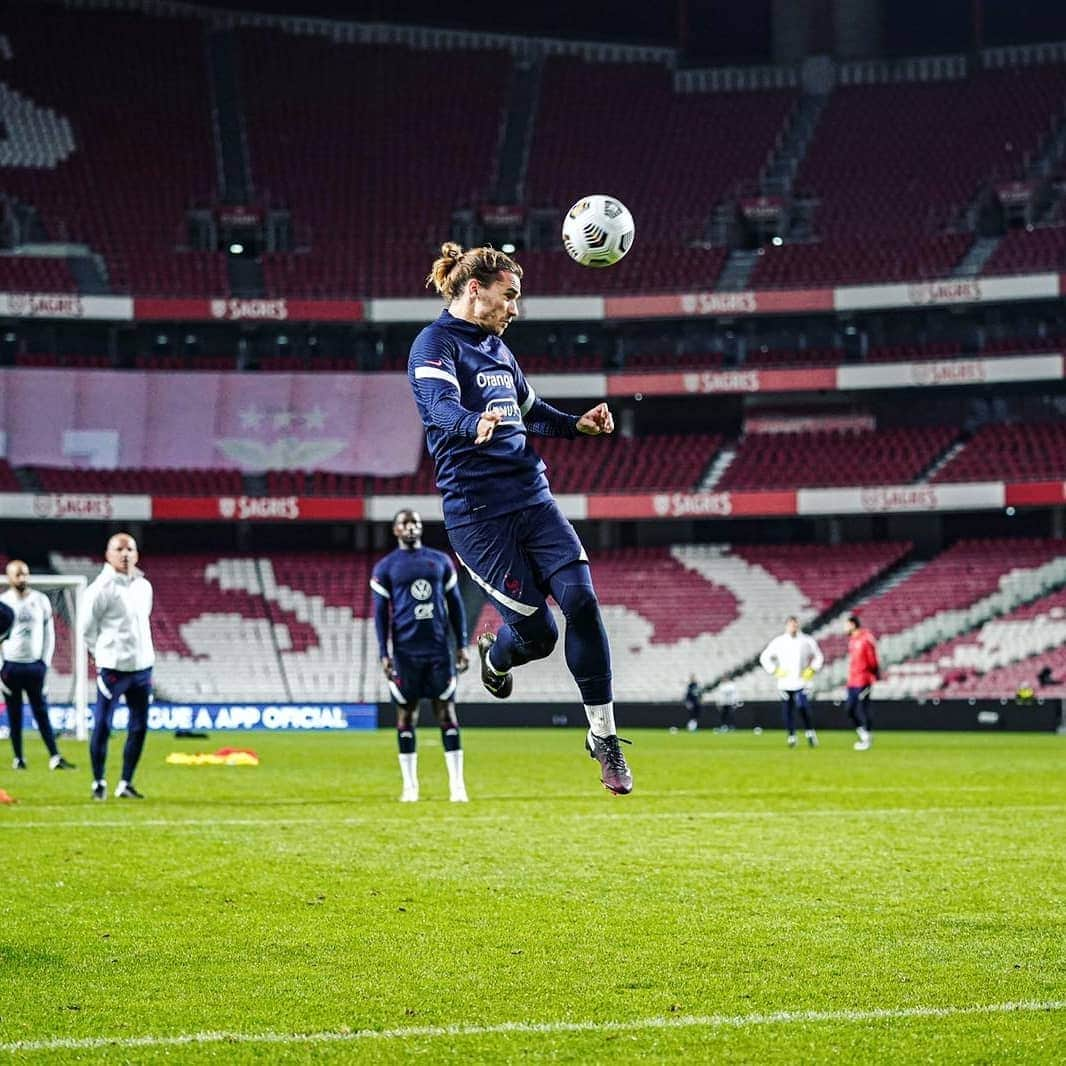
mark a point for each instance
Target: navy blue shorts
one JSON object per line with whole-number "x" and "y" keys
{"x": 17, "y": 679}
{"x": 422, "y": 679}
{"x": 513, "y": 556}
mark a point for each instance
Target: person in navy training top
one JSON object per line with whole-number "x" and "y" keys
{"x": 417, "y": 604}
{"x": 479, "y": 414}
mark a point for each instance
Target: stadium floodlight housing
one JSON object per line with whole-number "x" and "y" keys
{"x": 236, "y": 248}
{"x": 508, "y": 248}
{"x": 67, "y": 594}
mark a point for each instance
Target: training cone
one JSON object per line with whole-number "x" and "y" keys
{"x": 6, "y": 797}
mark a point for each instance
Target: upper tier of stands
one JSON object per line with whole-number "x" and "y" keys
{"x": 135, "y": 92}
{"x": 893, "y": 167}
{"x": 372, "y": 148}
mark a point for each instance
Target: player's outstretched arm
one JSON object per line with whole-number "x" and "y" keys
{"x": 596, "y": 422}
{"x": 486, "y": 426}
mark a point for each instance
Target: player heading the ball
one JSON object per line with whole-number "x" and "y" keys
{"x": 479, "y": 413}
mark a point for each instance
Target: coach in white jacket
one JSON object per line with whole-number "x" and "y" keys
{"x": 794, "y": 658}
{"x": 117, "y": 629}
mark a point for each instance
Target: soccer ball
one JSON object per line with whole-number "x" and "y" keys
{"x": 598, "y": 230}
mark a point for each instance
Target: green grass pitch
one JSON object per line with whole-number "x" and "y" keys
{"x": 747, "y": 903}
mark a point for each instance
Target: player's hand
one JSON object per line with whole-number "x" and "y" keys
{"x": 808, "y": 673}
{"x": 386, "y": 667}
{"x": 462, "y": 661}
{"x": 486, "y": 426}
{"x": 598, "y": 420}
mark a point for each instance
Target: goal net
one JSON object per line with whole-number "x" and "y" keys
{"x": 67, "y": 685}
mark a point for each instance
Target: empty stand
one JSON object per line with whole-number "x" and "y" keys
{"x": 1022, "y": 251}
{"x": 9, "y": 481}
{"x": 894, "y": 166}
{"x": 707, "y": 142}
{"x": 626, "y": 464}
{"x": 967, "y": 572}
{"x": 26, "y": 274}
{"x": 298, "y": 626}
{"x": 135, "y": 92}
{"x": 835, "y": 457}
{"x": 1032, "y": 452}
{"x": 137, "y": 480}
{"x": 372, "y": 149}
{"x": 994, "y": 660}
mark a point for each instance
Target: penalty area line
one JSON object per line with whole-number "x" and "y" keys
{"x": 429, "y": 1032}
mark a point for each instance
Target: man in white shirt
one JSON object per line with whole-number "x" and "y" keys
{"x": 27, "y": 657}
{"x": 117, "y": 630}
{"x": 794, "y": 658}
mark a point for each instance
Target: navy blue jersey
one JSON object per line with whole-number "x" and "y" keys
{"x": 417, "y": 602}
{"x": 457, "y": 372}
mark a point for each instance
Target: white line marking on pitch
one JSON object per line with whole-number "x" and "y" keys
{"x": 468, "y": 817}
{"x": 427, "y": 1032}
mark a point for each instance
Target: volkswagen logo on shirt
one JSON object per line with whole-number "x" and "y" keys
{"x": 421, "y": 589}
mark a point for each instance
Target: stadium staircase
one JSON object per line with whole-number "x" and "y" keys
{"x": 779, "y": 174}
{"x": 89, "y": 274}
{"x": 717, "y": 468}
{"x": 516, "y": 131}
{"x": 227, "y": 119}
{"x": 737, "y": 271}
{"x": 775, "y": 179}
{"x": 977, "y": 255}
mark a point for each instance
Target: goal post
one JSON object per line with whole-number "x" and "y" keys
{"x": 67, "y": 594}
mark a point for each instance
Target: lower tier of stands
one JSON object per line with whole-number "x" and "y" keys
{"x": 299, "y": 627}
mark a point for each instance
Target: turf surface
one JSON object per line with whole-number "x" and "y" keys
{"x": 746, "y": 904}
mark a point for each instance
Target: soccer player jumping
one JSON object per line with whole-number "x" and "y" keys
{"x": 501, "y": 518}
{"x": 416, "y": 589}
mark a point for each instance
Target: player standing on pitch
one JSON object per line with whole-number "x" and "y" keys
{"x": 863, "y": 670}
{"x": 505, "y": 527}
{"x": 419, "y": 588}
{"x": 118, "y": 634}
{"x": 794, "y": 658}
{"x": 27, "y": 655}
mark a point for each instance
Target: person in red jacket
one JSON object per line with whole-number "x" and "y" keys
{"x": 863, "y": 671}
